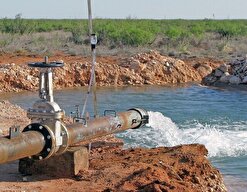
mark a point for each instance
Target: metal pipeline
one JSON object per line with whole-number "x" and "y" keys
{"x": 132, "y": 119}
{"x": 39, "y": 140}
{"x": 24, "y": 145}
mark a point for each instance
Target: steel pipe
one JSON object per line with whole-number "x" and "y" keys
{"x": 37, "y": 142}
{"x": 26, "y": 144}
{"x": 104, "y": 126}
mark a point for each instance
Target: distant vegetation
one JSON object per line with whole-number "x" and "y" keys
{"x": 219, "y": 38}
{"x": 129, "y": 31}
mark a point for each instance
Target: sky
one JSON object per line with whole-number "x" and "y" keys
{"x": 149, "y": 9}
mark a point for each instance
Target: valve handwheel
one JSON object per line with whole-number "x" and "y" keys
{"x": 46, "y": 64}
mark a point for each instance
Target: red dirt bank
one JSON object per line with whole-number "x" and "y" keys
{"x": 146, "y": 68}
{"x": 181, "y": 168}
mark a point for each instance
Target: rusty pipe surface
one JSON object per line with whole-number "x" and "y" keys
{"x": 37, "y": 142}
{"x": 104, "y": 126}
{"x": 24, "y": 145}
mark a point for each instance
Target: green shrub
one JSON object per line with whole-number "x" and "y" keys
{"x": 197, "y": 30}
{"x": 132, "y": 32}
{"x": 230, "y": 30}
{"x": 16, "y": 26}
{"x": 77, "y": 34}
{"x": 123, "y": 32}
{"x": 176, "y": 33}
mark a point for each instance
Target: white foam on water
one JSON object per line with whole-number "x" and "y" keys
{"x": 220, "y": 141}
{"x": 234, "y": 184}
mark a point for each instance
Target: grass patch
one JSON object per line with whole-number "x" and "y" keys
{"x": 114, "y": 32}
{"x": 71, "y": 35}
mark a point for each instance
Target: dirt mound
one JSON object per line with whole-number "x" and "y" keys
{"x": 181, "y": 168}
{"x": 146, "y": 68}
{"x": 153, "y": 68}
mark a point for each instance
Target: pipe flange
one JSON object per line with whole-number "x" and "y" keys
{"x": 144, "y": 116}
{"x": 49, "y": 138}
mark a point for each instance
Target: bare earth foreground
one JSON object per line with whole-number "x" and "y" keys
{"x": 180, "y": 168}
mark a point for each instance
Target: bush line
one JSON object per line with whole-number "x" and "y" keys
{"x": 130, "y": 32}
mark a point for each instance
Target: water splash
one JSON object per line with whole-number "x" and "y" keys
{"x": 221, "y": 141}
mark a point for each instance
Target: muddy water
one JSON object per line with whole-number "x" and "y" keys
{"x": 216, "y": 118}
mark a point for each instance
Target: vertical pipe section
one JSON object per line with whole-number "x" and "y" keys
{"x": 94, "y": 85}
{"x": 49, "y": 86}
{"x": 90, "y": 18}
{"x": 25, "y": 145}
{"x": 42, "y": 90}
{"x": 93, "y": 47}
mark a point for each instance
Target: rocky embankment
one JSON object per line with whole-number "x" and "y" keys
{"x": 180, "y": 168}
{"x": 147, "y": 68}
{"x": 234, "y": 73}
